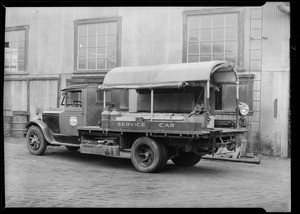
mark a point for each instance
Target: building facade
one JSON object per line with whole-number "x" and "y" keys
{"x": 47, "y": 49}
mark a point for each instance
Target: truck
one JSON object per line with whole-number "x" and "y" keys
{"x": 171, "y": 115}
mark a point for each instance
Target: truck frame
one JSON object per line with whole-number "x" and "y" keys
{"x": 172, "y": 119}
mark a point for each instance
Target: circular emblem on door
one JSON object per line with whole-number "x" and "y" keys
{"x": 73, "y": 121}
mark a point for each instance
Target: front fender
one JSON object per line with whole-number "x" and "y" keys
{"x": 45, "y": 129}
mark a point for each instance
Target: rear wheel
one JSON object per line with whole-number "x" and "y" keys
{"x": 186, "y": 159}
{"x": 35, "y": 141}
{"x": 165, "y": 156}
{"x": 72, "y": 148}
{"x": 147, "y": 155}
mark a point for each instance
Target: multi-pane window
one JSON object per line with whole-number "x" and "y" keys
{"x": 217, "y": 34}
{"x": 97, "y": 46}
{"x": 15, "y": 51}
{"x": 212, "y": 37}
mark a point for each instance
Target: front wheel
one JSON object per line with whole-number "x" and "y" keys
{"x": 186, "y": 159}
{"x": 147, "y": 155}
{"x": 35, "y": 141}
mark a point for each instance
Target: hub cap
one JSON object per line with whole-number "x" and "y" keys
{"x": 145, "y": 156}
{"x": 34, "y": 141}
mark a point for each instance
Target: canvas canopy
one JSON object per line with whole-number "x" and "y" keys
{"x": 168, "y": 75}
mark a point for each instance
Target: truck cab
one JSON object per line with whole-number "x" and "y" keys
{"x": 173, "y": 118}
{"x": 79, "y": 107}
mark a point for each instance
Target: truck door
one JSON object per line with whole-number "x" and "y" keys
{"x": 73, "y": 116}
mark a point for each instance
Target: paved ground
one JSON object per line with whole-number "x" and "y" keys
{"x": 61, "y": 178}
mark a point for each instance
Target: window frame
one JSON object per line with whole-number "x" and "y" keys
{"x": 66, "y": 98}
{"x": 240, "y": 26}
{"x": 99, "y": 96}
{"x": 26, "y": 45}
{"x": 243, "y": 79}
{"x": 118, "y": 21}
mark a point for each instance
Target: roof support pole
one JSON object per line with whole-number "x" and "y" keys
{"x": 208, "y": 89}
{"x": 152, "y": 96}
{"x": 206, "y": 103}
{"x": 237, "y": 103}
{"x": 104, "y": 99}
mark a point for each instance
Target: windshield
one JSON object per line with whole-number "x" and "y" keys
{"x": 72, "y": 98}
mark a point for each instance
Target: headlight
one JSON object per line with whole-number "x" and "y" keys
{"x": 244, "y": 108}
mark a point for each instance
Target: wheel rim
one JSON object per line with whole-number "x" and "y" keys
{"x": 34, "y": 141}
{"x": 144, "y": 155}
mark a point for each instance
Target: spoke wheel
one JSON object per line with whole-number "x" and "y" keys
{"x": 147, "y": 155}
{"x": 35, "y": 141}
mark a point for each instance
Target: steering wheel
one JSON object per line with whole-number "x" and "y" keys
{"x": 77, "y": 103}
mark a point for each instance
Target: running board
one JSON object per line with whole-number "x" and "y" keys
{"x": 64, "y": 144}
{"x": 54, "y": 141}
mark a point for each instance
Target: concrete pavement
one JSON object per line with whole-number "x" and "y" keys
{"x": 61, "y": 178}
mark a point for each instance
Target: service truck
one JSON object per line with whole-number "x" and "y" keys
{"x": 171, "y": 115}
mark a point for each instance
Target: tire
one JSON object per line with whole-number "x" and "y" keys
{"x": 35, "y": 141}
{"x": 186, "y": 159}
{"x": 72, "y": 148}
{"x": 165, "y": 157}
{"x": 147, "y": 155}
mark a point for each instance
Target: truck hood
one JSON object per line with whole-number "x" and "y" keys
{"x": 51, "y": 118}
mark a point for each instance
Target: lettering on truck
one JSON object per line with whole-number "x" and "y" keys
{"x": 131, "y": 124}
{"x": 166, "y": 125}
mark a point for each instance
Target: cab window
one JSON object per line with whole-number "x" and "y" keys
{"x": 72, "y": 99}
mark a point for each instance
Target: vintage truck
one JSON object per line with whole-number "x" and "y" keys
{"x": 171, "y": 116}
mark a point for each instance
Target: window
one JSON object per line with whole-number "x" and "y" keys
{"x": 72, "y": 98}
{"x": 225, "y": 98}
{"x": 100, "y": 96}
{"x": 15, "y": 49}
{"x": 169, "y": 100}
{"x": 213, "y": 35}
{"x": 97, "y": 43}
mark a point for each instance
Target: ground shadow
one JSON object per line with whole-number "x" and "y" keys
{"x": 122, "y": 163}
{"x": 91, "y": 159}
{"x": 194, "y": 170}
